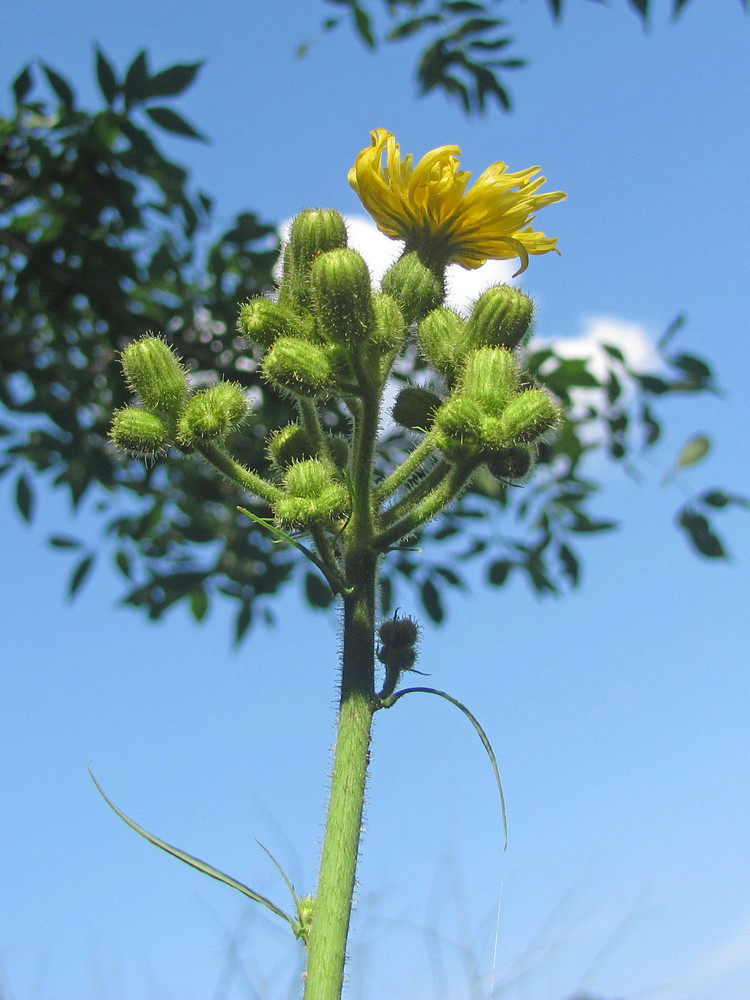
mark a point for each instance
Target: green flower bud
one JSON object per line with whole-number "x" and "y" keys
{"x": 398, "y": 633}
{"x": 338, "y": 449}
{"x": 314, "y": 231}
{"x": 530, "y": 415}
{"x": 458, "y": 429}
{"x": 510, "y": 463}
{"x": 342, "y": 296}
{"x": 439, "y": 333}
{"x": 139, "y": 433}
{"x": 390, "y": 328}
{"x": 314, "y": 495}
{"x": 262, "y": 322}
{"x": 290, "y": 444}
{"x": 415, "y": 408}
{"x": 154, "y": 373}
{"x": 212, "y": 413}
{"x": 300, "y": 367}
{"x": 416, "y": 288}
{"x": 305, "y": 911}
{"x": 501, "y": 317}
{"x": 490, "y": 377}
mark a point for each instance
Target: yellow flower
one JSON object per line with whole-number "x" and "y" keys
{"x": 430, "y": 207}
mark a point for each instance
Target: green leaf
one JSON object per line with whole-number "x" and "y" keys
{"x": 201, "y": 866}
{"x": 136, "y": 79}
{"x": 364, "y": 26}
{"x": 392, "y": 699}
{"x": 24, "y": 498}
{"x": 22, "y": 84}
{"x": 498, "y": 572}
{"x": 122, "y": 562}
{"x": 243, "y": 621}
{"x": 693, "y": 452}
{"x": 317, "y": 591}
{"x": 172, "y": 81}
{"x": 570, "y": 564}
{"x": 105, "y": 74}
{"x": 431, "y": 601}
{"x": 61, "y": 87}
{"x": 198, "y": 604}
{"x": 170, "y": 121}
{"x": 701, "y": 535}
{"x": 79, "y": 575}
{"x": 65, "y": 542}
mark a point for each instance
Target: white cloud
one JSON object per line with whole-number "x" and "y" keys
{"x": 632, "y": 339}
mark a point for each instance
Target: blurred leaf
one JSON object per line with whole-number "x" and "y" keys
{"x": 172, "y": 81}
{"x": 317, "y": 591}
{"x": 24, "y": 498}
{"x": 61, "y": 87}
{"x": 198, "y": 604}
{"x": 498, "y": 572}
{"x": 364, "y": 26}
{"x": 701, "y": 535}
{"x": 79, "y": 575}
{"x": 105, "y": 74}
{"x": 170, "y": 121}
{"x": 64, "y": 542}
{"x": 135, "y": 85}
{"x": 22, "y": 84}
{"x": 693, "y": 452}
{"x": 242, "y": 621}
{"x": 431, "y": 601}
{"x": 570, "y": 564}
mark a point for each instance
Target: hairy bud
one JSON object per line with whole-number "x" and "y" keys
{"x": 415, "y": 287}
{"x": 439, "y": 334}
{"x": 262, "y": 322}
{"x": 314, "y": 495}
{"x": 529, "y": 416}
{"x": 154, "y": 373}
{"x": 314, "y": 231}
{"x": 300, "y": 367}
{"x": 211, "y": 414}
{"x": 139, "y": 433}
{"x": 415, "y": 408}
{"x": 491, "y": 378}
{"x": 501, "y": 317}
{"x": 342, "y": 296}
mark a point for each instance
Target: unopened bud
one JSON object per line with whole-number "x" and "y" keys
{"x": 510, "y": 463}
{"x": 415, "y": 408}
{"x": 416, "y": 288}
{"x": 212, "y": 413}
{"x": 501, "y": 317}
{"x": 490, "y": 377}
{"x": 314, "y": 231}
{"x": 262, "y": 321}
{"x": 314, "y": 495}
{"x": 300, "y": 366}
{"x": 154, "y": 373}
{"x": 290, "y": 444}
{"x": 529, "y": 416}
{"x": 458, "y": 429}
{"x": 439, "y": 334}
{"x": 139, "y": 433}
{"x": 342, "y": 296}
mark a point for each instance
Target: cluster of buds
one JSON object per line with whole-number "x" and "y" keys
{"x": 329, "y": 334}
{"x": 170, "y": 414}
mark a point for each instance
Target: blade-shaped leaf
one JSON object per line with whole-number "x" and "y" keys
{"x": 170, "y": 121}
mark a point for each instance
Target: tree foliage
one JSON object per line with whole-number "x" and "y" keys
{"x": 469, "y": 49}
{"x": 102, "y": 238}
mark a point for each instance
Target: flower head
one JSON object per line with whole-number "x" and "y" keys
{"x": 433, "y": 209}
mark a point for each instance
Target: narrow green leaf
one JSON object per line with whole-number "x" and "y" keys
{"x": 24, "y": 498}
{"x": 701, "y": 535}
{"x": 364, "y": 26}
{"x": 61, "y": 87}
{"x": 674, "y": 327}
{"x": 105, "y": 74}
{"x": 22, "y": 84}
{"x": 65, "y": 542}
{"x": 242, "y": 622}
{"x": 170, "y": 121}
{"x": 79, "y": 575}
{"x": 431, "y": 601}
{"x": 201, "y": 866}
{"x": 390, "y": 701}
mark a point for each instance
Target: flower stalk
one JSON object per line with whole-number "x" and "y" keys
{"x": 329, "y": 334}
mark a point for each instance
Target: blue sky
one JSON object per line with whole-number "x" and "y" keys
{"x": 619, "y": 714}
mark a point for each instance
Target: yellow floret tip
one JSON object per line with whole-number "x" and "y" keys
{"x": 433, "y": 209}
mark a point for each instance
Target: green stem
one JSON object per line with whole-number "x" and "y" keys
{"x": 333, "y": 902}
{"x": 239, "y": 474}
{"x": 432, "y": 505}
{"x": 430, "y": 481}
{"x": 404, "y": 471}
